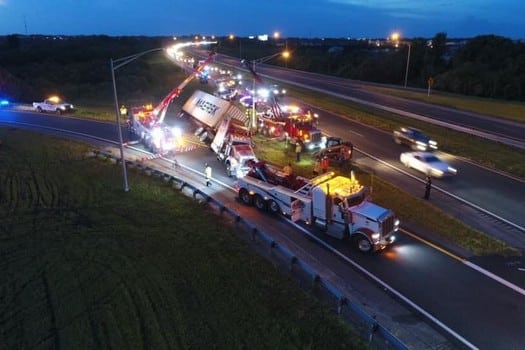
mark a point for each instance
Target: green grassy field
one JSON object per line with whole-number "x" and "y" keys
{"x": 84, "y": 265}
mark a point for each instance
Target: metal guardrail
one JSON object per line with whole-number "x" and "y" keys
{"x": 366, "y": 324}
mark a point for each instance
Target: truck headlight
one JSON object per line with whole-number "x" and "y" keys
{"x": 376, "y": 236}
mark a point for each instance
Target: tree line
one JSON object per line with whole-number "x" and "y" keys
{"x": 32, "y": 67}
{"x": 484, "y": 66}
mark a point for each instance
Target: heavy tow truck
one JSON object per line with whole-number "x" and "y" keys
{"x": 338, "y": 204}
{"x": 148, "y": 122}
{"x": 292, "y": 123}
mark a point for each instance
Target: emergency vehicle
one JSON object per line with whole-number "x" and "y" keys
{"x": 340, "y": 205}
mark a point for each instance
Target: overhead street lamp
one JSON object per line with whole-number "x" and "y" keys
{"x": 254, "y": 63}
{"x": 116, "y": 64}
{"x": 232, "y": 38}
{"x": 395, "y": 37}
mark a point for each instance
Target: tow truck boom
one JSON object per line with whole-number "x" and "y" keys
{"x": 160, "y": 111}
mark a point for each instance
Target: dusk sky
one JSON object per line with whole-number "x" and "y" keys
{"x": 292, "y": 18}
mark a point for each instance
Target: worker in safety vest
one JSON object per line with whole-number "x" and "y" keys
{"x": 207, "y": 174}
{"x": 298, "y": 149}
{"x": 325, "y": 163}
{"x": 123, "y": 110}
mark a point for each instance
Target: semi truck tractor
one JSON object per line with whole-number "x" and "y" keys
{"x": 223, "y": 126}
{"x": 340, "y": 205}
{"x": 233, "y": 149}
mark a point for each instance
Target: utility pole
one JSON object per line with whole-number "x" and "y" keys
{"x": 408, "y": 63}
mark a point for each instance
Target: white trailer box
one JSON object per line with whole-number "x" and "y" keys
{"x": 209, "y": 110}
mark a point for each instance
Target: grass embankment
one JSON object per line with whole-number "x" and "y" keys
{"x": 86, "y": 266}
{"x": 502, "y": 109}
{"x": 105, "y": 110}
{"x": 407, "y": 207}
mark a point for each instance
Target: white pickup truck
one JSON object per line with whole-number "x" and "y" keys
{"x": 53, "y": 105}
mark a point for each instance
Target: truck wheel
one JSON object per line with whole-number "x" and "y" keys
{"x": 259, "y": 202}
{"x": 39, "y": 109}
{"x": 245, "y": 197}
{"x": 229, "y": 169}
{"x": 58, "y": 111}
{"x": 362, "y": 243}
{"x": 274, "y": 207}
{"x": 396, "y": 140}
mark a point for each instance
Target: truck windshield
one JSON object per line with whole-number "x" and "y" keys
{"x": 356, "y": 199}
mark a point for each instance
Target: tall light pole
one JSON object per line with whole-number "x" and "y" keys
{"x": 396, "y": 38}
{"x": 285, "y": 54}
{"x": 232, "y": 38}
{"x": 408, "y": 63}
{"x": 116, "y": 64}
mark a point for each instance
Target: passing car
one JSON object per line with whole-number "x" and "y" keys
{"x": 427, "y": 163}
{"x": 414, "y": 138}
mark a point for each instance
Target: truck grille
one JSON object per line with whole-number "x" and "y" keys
{"x": 315, "y": 136}
{"x": 387, "y": 226}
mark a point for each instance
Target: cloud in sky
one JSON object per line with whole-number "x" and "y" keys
{"x": 293, "y": 18}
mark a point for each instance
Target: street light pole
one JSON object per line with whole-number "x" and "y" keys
{"x": 408, "y": 63}
{"x": 114, "y": 65}
{"x": 285, "y": 54}
{"x": 121, "y": 142}
{"x": 254, "y": 118}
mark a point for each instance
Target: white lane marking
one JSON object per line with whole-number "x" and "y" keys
{"x": 496, "y": 277}
{"x": 470, "y": 264}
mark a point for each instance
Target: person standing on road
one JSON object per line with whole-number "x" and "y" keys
{"x": 428, "y": 186}
{"x": 325, "y": 163}
{"x": 317, "y": 166}
{"x": 298, "y": 150}
{"x": 207, "y": 174}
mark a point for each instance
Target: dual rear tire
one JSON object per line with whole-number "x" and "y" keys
{"x": 259, "y": 202}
